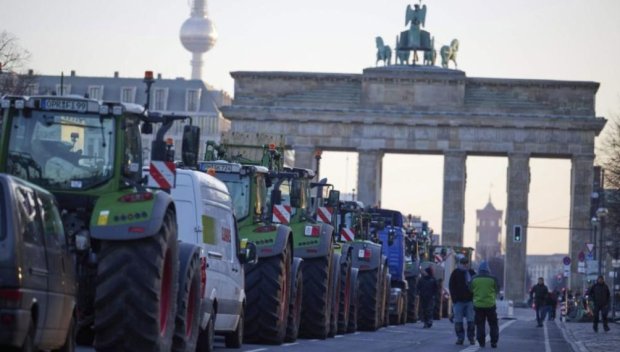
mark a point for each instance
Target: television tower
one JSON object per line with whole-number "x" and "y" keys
{"x": 198, "y": 35}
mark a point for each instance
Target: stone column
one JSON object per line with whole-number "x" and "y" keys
{"x": 453, "y": 216}
{"x": 304, "y": 157}
{"x": 582, "y": 176}
{"x": 369, "y": 171}
{"x": 518, "y": 188}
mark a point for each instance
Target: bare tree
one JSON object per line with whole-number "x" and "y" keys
{"x": 13, "y": 59}
{"x": 610, "y": 150}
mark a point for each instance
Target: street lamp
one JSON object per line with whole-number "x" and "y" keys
{"x": 601, "y": 213}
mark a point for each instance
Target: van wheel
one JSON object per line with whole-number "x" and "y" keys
{"x": 206, "y": 337}
{"x": 317, "y": 299}
{"x": 69, "y": 345}
{"x": 235, "y": 338}
{"x": 267, "y": 289}
{"x": 136, "y": 293}
{"x": 187, "y": 324}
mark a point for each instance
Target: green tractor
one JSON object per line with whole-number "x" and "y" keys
{"x": 124, "y": 235}
{"x": 274, "y": 286}
{"x": 371, "y": 298}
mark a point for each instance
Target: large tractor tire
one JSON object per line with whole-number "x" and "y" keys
{"x": 403, "y": 316}
{"x": 412, "y": 314}
{"x": 267, "y": 289}
{"x": 396, "y": 318}
{"x": 294, "y": 310}
{"x": 317, "y": 298}
{"x": 345, "y": 296}
{"x": 370, "y": 299}
{"x": 354, "y": 300}
{"x": 188, "y": 300}
{"x": 136, "y": 294}
{"x": 385, "y": 317}
{"x": 335, "y": 285}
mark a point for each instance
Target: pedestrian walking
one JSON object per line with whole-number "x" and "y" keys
{"x": 462, "y": 301}
{"x": 599, "y": 294}
{"x": 551, "y": 305}
{"x": 485, "y": 288}
{"x": 427, "y": 291}
{"x": 539, "y": 294}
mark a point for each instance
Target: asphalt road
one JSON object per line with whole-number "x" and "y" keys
{"x": 517, "y": 335}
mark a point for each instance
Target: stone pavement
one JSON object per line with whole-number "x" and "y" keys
{"x": 583, "y": 339}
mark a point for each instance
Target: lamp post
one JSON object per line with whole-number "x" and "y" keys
{"x": 601, "y": 213}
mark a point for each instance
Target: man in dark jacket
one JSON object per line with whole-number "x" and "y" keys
{"x": 485, "y": 288}
{"x": 427, "y": 291}
{"x": 462, "y": 300}
{"x": 599, "y": 294}
{"x": 539, "y": 294}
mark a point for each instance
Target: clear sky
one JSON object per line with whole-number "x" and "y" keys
{"x": 550, "y": 39}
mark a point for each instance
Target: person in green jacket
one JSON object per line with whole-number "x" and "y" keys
{"x": 485, "y": 288}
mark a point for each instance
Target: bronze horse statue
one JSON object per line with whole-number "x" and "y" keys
{"x": 384, "y": 52}
{"x": 448, "y": 53}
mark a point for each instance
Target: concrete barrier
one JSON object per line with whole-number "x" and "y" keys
{"x": 505, "y": 309}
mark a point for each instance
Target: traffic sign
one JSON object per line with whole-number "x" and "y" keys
{"x": 566, "y": 260}
{"x": 590, "y": 247}
{"x": 581, "y": 256}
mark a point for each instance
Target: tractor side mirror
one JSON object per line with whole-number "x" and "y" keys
{"x": 296, "y": 193}
{"x": 190, "y": 145}
{"x": 391, "y": 237}
{"x": 146, "y": 128}
{"x": 334, "y": 198}
{"x": 276, "y": 197}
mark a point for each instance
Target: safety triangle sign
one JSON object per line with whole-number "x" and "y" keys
{"x": 590, "y": 246}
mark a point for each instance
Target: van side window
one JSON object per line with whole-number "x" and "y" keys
{"x": 52, "y": 225}
{"x": 30, "y": 225}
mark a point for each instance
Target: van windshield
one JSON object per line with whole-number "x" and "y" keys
{"x": 239, "y": 189}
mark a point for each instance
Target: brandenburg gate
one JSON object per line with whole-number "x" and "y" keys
{"x": 433, "y": 110}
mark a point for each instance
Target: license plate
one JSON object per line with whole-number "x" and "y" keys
{"x": 64, "y": 105}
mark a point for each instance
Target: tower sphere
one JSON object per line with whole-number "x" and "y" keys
{"x": 198, "y": 34}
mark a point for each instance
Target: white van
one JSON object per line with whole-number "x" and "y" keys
{"x": 205, "y": 217}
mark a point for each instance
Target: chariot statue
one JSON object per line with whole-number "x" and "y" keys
{"x": 384, "y": 52}
{"x": 415, "y": 38}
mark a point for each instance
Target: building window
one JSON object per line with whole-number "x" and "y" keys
{"x": 192, "y": 100}
{"x": 95, "y": 92}
{"x": 64, "y": 89}
{"x": 128, "y": 95}
{"x": 160, "y": 99}
{"x": 32, "y": 89}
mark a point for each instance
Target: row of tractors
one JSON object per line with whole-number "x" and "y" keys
{"x": 325, "y": 266}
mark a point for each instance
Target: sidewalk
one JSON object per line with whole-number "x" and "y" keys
{"x": 583, "y": 339}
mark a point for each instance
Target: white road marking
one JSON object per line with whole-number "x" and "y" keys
{"x": 488, "y": 338}
{"x": 257, "y": 350}
{"x": 290, "y": 344}
{"x": 547, "y": 344}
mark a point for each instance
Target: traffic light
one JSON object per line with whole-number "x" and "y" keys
{"x": 517, "y": 235}
{"x": 425, "y": 228}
